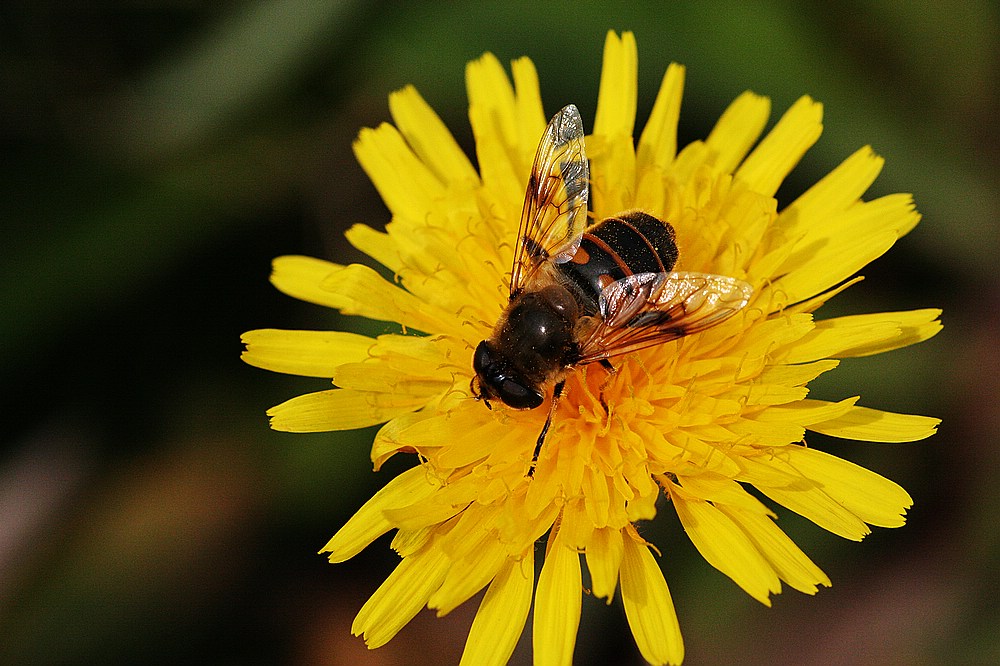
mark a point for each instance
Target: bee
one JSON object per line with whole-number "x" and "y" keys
{"x": 584, "y": 294}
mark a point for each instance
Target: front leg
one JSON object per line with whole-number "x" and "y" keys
{"x": 556, "y": 393}
{"x": 606, "y": 364}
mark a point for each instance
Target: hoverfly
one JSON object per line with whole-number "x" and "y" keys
{"x": 583, "y": 294}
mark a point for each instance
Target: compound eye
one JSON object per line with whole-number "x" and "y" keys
{"x": 482, "y": 358}
{"x": 517, "y": 395}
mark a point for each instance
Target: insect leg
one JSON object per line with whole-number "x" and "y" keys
{"x": 556, "y": 392}
{"x": 606, "y": 364}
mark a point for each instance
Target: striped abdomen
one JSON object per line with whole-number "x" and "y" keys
{"x": 633, "y": 242}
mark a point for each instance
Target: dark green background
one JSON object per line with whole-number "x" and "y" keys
{"x": 158, "y": 154}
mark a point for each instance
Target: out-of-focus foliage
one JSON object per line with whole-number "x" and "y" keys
{"x": 157, "y": 155}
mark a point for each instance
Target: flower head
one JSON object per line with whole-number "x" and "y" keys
{"x": 697, "y": 420}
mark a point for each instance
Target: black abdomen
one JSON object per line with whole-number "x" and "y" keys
{"x": 616, "y": 247}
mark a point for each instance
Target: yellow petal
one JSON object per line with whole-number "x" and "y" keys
{"x": 376, "y": 244}
{"x": 598, "y": 496}
{"x": 814, "y": 303}
{"x": 610, "y": 148}
{"x": 643, "y": 505}
{"x": 355, "y": 289}
{"x": 400, "y": 597}
{"x": 690, "y": 163}
{"x": 501, "y": 617}
{"x": 340, "y": 409}
{"x": 836, "y": 191}
{"x": 408, "y": 543}
{"x": 786, "y": 486}
{"x": 488, "y": 86}
{"x": 412, "y": 379}
{"x": 612, "y": 164}
{"x": 841, "y": 258}
{"x": 493, "y": 115}
{"x": 386, "y": 443}
{"x": 873, "y": 425}
{"x": 451, "y": 428}
{"x": 788, "y": 561}
{"x": 405, "y": 184}
{"x": 745, "y": 219}
{"x": 461, "y": 436}
{"x": 449, "y": 501}
{"x": 796, "y": 375}
{"x": 772, "y": 394}
{"x": 557, "y": 606}
{"x": 765, "y": 337}
{"x": 766, "y": 167}
{"x": 911, "y": 327}
{"x": 504, "y": 445}
{"x": 369, "y": 523}
{"x": 834, "y": 337}
{"x": 469, "y": 574}
{"x": 805, "y": 412}
{"x": 430, "y": 139}
{"x": 725, "y": 546}
{"x": 737, "y": 129}
{"x": 529, "y": 112}
{"x": 825, "y": 262}
{"x": 870, "y": 496}
{"x": 759, "y": 434}
{"x": 359, "y": 290}
{"x": 648, "y": 606}
{"x": 575, "y": 527}
{"x": 301, "y": 277}
{"x": 307, "y": 353}
{"x": 604, "y": 557}
{"x": 658, "y": 143}
{"x": 616, "y": 98}
{"x": 472, "y": 530}
{"x": 404, "y": 349}
{"x": 839, "y": 246}
{"x": 457, "y": 276}
{"x": 721, "y": 491}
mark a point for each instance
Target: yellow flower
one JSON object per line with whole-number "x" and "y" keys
{"x": 697, "y": 420}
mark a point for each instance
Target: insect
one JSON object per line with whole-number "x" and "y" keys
{"x": 583, "y": 294}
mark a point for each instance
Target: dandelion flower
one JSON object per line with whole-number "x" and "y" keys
{"x": 698, "y": 421}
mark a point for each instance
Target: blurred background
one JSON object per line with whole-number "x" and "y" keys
{"x": 158, "y": 154}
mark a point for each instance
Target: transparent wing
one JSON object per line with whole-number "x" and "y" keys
{"x": 648, "y": 309}
{"x": 555, "y": 204}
